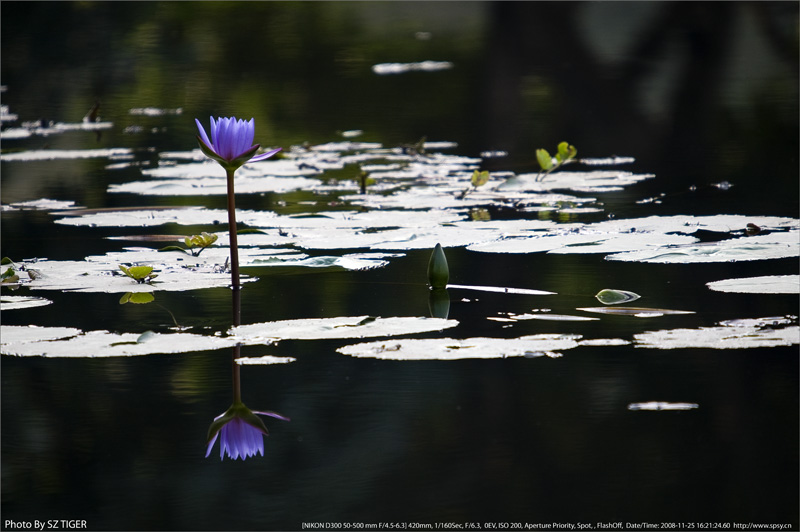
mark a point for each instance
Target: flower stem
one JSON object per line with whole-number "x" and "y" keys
{"x": 234, "y": 244}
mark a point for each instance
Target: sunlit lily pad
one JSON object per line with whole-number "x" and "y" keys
{"x": 97, "y": 275}
{"x": 732, "y": 335}
{"x": 341, "y": 327}
{"x": 610, "y": 296}
{"x": 767, "y": 284}
{"x": 66, "y": 342}
{"x": 660, "y": 405}
{"x": 671, "y": 238}
{"x": 470, "y": 348}
{"x": 502, "y": 290}
{"x": 264, "y": 360}
{"x": 45, "y": 130}
{"x": 402, "y": 68}
{"x": 776, "y": 245}
{"x": 593, "y": 181}
{"x": 638, "y": 312}
{"x": 20, "y": 302}
{"x": 549, "y": 316}
{"x": 41, "y": 204}
{"x": 49, "y": 155}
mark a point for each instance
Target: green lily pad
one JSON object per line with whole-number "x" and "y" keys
{"x": 610, "y": 296}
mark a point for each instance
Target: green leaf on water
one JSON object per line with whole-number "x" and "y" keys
{"x": 9, "y": 276}
{"x": 438, "y": 271}
{"x": 479, "y": 178}
{"x": 566, "y": 152}
{"x": 545, "y": 161}
{"x": 610, "y": 296}
{"x": 139, "y": 273}
{"x": 203, "y": 240}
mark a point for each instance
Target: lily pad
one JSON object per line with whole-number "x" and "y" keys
{"x": 660, "y": 405}
{"x": 766, "y": 284}
{"x": 97, "y": 275}
{"x": 610, "y": 296}
{"x": 73, "y": 343}
{"x": 761, "y": 247}
{"x": 40, "y": 204}
{"x": 594, "y": 181}
{"x": 732, "y": 335}
{"x": 402, "y": 68}
{"x": 341, "y": 327}
{"x": 548, "y": 316}
{"x": 470, "y": 348}
{"x": 50, "y": 155}
{"x": 264, "y": 360}
{"x": 19, "y": 302}
{"x": 638, "y": 312}
{"x": 502, "y": 290}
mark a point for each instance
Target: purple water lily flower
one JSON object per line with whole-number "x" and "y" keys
{"x": 231, "y": 143}
{"x": 241, "y": 432}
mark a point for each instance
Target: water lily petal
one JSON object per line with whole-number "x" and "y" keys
{"x": 203, "y": 135}
{"x": 265, "y": 155}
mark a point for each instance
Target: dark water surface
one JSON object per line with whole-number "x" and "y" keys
{"x": 699, "y": 94}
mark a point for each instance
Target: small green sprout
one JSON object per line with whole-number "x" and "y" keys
{"x": 201, "y": 241}
{"x": 9, "y": 276}
{"x": 478, "y": 179}
{"x": 418, "y": 148}
{"x": 140, "y": 274}
{"x": 364, "y": 180}
{"x": 565, "y": 154}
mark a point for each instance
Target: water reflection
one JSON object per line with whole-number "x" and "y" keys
{"x": 240, "y": 431}
{"x": 439, "y": 303}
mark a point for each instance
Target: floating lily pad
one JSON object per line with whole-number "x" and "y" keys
{"x": 20, "y": 302}
{"x": 767, "y": 284}
{"x": 41, "y": 204}
{"x": 67, "y": 342}
{"x": 341, "y": 327}
{"x": 761, "y": 247}
{"x": 98, "y": 275}
{"x": 638, "y": 312}
{"x": 548, "y": 316}
{"x": 154, "y": 111}
{"x": 402, "y": 68}
{"x": 610, "y": 296}
{"x": 644, "y": 239}
{"x": 49, "y": 155}
{"x": 265, "y": 360}
{"x": 732, "y": 335}
{"x": 660, "y": 405}
{"x": 42, "y": 130}
{"x": 594, "y": 181}
{"x": 502, "y": 290}
{"x": 470, "y": 348}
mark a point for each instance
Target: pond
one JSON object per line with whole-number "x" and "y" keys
{"x": 617, "y": 342}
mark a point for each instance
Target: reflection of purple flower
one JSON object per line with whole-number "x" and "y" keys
{"x": 242, "y": 432}
{"x": 231, "y": 143}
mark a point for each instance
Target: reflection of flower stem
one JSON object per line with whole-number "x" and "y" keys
{"x": 170, "y": 314}
{"x": 232, "y": 231}
{"x": 237, "y": 349}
